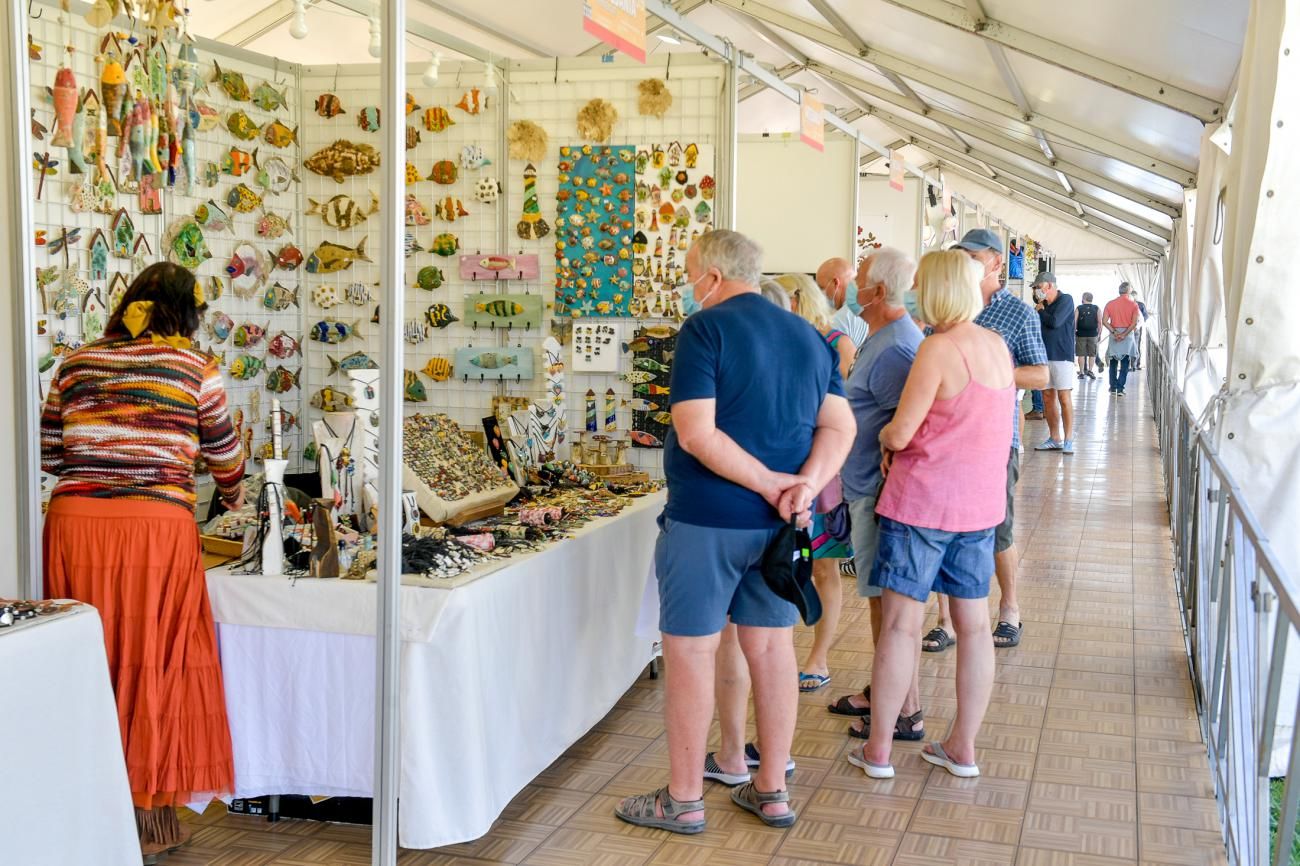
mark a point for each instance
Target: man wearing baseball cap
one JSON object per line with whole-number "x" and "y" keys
{"x": 1018, "y": 324}
{"x": 1056, "y": 317}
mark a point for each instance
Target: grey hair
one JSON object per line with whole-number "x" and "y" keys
{"x": 738, "y": 258}
{"x": 895, "y": 269}
{"x": 772, "y": 290}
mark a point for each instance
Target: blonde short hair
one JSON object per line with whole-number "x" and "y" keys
{"x": 810, "y": 302}
{"x": 948, "y": 288}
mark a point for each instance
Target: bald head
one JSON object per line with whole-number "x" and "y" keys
{"x": 834, "y": 277}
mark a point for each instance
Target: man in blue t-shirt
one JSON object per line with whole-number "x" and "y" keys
{"x": 760, "y": 425}
{"x": 874, "y": 389}
{"x": 1056, "y": 320}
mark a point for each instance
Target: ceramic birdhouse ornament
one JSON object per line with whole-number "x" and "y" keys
{"x": 123, "y": 234}
{"x": 117, "y": 287}
{"x": 93, "y": 316}
{"x": 98, "y": 256}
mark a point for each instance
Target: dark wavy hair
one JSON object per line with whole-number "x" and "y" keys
{"x": 171, "y": 288}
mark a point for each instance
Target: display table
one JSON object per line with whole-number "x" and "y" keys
{"x": 499, "y": 676}
{"x": 64, "y": 793}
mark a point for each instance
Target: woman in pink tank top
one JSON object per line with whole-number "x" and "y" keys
{"x": 945, "y": 464}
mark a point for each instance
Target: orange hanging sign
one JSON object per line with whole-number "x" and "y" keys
{"x": 896, "y": 170}
{"x": 620, "y": 23}
{"x": 812, "y": 121}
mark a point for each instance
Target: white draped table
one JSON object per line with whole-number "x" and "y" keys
{"x": 499, "y": 676}
{"x": 64, "y": 795}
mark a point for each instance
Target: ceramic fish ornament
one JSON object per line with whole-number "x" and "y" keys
{"x": 416, "y": 213}
{"x": 212, "y": 217}
{"x": 412, "y": 387}
{"x": 215, "y": 289}
{"x": 268, "y": 98}
{"x": 245, "y": 367}
{"x": 444, "y": 171}
{"x": 243, "y": 199}
{"x": 211, "y": 174}
{"x": 249, "y": 269}
{"x": 412, "y": 245}
{"x": 368, "y": 118}
{"x": 644, "y": 439}
{"x": 273, "y": 226}
{"x": 288, "y": 258}
{"x": 649, "y": 364}
{"x": 343, "y": 211}
{"x": 412, "y": 134}
{"x": 355, "y": 361}
{"x": 328, "y": 105}
{"x": 640, "y": 405}
{"x": 472, "y": 157}
{"x": 65, "y": 106}
{"x": 659, "y": 332}
{"x": 415, "y": 332}
{"x": 437, "y": 119}
{"x": 450, "y": 209}
{"x": 185, "y": 244}
{"x": 334, "y": 332}
{"x": 637, "y": 378}
{"x": 439, "y": 315}
{"x": 249, "y": 335}
{"x": 220, "y": 326}
{"x": 231, "y": 82}
{"x": 325, "y": 296}
{"x": 471, "y": 102}
{"x": 429, "y": 278}
{"x": 76, "y": 150}
{"x": 438, "y": 369}
{"x": 243, "y": 127}
{"x": 237, "y": 161}
{"x": 331, "y": 400}
{"x": 357, "y": 295}
{"x": 280, "y": 380}
{"x": 273, "y": 174}
{"x": 331, "y": 257}
{"x": 650, "y": 389}
{"x": 493, "y": 361}
{"x": 279, "y": 298}
{"x": 204, "y": 117}
{"x": 501, "y": 309}
{"x": 112, "y": 92}
{"x": 279, "y": 135}
{"x": 343, "y": 159}
{"x": 282, "y": 345}
{"x": 446, "y": 244}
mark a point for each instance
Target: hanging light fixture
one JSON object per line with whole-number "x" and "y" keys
{"x": 430, "y": 76}
{"x": 489, "y": 77}
{"x": 668, "y": 37}
{"x": 298, "y": 29}
{"x": 375, "y": 47}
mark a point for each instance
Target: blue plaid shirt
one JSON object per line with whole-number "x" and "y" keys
{"x": 1018, "y": 324}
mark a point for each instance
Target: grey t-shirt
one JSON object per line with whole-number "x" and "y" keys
{"x": 874, "y": 388}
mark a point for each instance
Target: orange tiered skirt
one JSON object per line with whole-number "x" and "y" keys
{"x": 139, "y": 563}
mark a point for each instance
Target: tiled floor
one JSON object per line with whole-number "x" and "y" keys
{"x": 1091, "y": 751}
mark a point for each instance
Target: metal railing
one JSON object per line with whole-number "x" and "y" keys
{"x": 1240, "y": 611}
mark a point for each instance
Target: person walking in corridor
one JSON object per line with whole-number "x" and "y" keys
{"x": 1087, "y": 328}
{"x": 1056, "y": 317}
{"x": 1121, "y": 319}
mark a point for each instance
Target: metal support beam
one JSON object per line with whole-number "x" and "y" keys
{"x": 477, "y": 23}
{"x": 367, "y": 8}
{"x": 1134, "y": 155}
{"x": 758, "y": 87}
{"x": 1179, "y": 99}
{"x": 259, "y": 23}
{"x": 983, "y": 133}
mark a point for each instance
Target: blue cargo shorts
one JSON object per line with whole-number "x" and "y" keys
{"x": 708, "y": 574}
{"x": 913, "y": 560}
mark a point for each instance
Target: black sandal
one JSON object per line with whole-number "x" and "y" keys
{"x": 904, "y": 729}
{"x": 937, "y": 640}
{"x": 842, "y": 707}
{"x": 1007, "y": 633}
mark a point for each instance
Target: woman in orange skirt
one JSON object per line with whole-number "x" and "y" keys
{"x": 126, "y": 418}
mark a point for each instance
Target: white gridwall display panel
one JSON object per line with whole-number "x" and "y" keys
{"x": 552, "y": 98}
{"x": 358, "y": 87}
{"x": 52, "y": 213}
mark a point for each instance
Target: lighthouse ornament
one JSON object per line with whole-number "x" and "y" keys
{"x": 531, "y": 225}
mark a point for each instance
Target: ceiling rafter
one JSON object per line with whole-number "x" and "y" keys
{"x": 1135, "y": 156}
{"x": 1009, "y": 175}
{"x": 979, "y": 131}
{"x": 653, "y": 24}
{"x": 783, "y": 72}
{"x": 1073, "y": 60}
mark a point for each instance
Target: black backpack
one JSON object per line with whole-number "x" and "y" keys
{"x": 1087, "y": 319}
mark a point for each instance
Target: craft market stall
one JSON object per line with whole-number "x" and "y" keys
{"x": 62, "y": 740}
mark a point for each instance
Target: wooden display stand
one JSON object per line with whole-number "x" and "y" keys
{"x": 602, "y": 455}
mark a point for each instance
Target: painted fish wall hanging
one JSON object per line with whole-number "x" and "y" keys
{"x": 212, "y": 217}
{"x": 439, "y": 315}
{"x": 273, "y": 174}
{"x": 412, "y": 134}
{"x": 411, "y": 245}
{"x": 65, "y": 106}
{"x": 450, "y": 209}
{"x": 416, "y": 213}
{"x": 412, "y": 387}
{"x": 429, "y": 278}
{"x": 268, "y": 98}
{"x": 472, "y": 102}
{"x": 355, "y": 361}
{"x": 185, "y": 244}
{"x": 438, "y": 369}
{"x": 288, "y": 258}
{"x": 343, "y": 159}
{"x": 281, "y": 380}
{"x": 328, "y": 105}
{"x": 357, "y": 294}
{"x": 279, "y": 298}
{"x": 334, "y": 332}
{"x": 242, "y": 127}
{"x": 368, "y": 119}
{"x": 237, "y": 161}
{"x": 245, "y": 367}
{"x": 494, "y": 361}
{"x": 249, "y": 335}
{"x": 277, "y": 134}
{"x": 272, "y": 226}
{"x": 472, "y": 156}
{"x": 331, "y": 257}
{"x": 343, "y": 211}
{"x": 249, "y": 268}
{"x": 411, "y": 105}
{"x": 331, "y": 400}
{"x": 220, "y": 326}
{"x": 203, "y": 117}
{"x": 446, "y": 244}
{"x": 415, "y": 332}
{"x": 325, "y": 296}
{"x": 284, "y": 346}
{"x": 437, "y": 119}
{"x": 231, "y": 82}
{"x": 243, "y": 200}
{"x": 487, "y": 190}
{"x": 444, "y": 171}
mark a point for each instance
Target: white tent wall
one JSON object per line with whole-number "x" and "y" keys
{"x": 1206, "y": 357}
{"x": 795, "y": 202}
{"x": 893, "y": 216}
{"x": 1256, "y": 430}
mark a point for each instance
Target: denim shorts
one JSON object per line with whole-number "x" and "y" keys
{"x": 913, "y": 560}
{"x": 707, "y": 574}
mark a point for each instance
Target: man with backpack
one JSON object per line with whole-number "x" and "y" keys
{"x": 1087, "y": 328}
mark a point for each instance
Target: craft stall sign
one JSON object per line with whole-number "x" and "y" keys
{"x": 620, "y": 23}
{"x": 896, "y": 170}
{"x": 595, "y": 222}
{"x": 812, "y": 121}
{"x": 496, "y": 364}
{"x": 503, "y": 311}
{"x": 499, "y": 267}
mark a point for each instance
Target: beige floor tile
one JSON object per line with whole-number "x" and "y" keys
{"x": 920, "y": 850}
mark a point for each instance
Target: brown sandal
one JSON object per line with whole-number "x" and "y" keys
{"x": 843, "y": 707}
{"x": 904, "y": 729}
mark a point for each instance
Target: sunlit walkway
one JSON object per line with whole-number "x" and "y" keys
{"x": 1091, "y": 751}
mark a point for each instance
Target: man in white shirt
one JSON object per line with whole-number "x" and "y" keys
{"x": 836, "y": 278}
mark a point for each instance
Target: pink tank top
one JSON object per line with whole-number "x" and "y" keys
{"x": 953, "y": 474}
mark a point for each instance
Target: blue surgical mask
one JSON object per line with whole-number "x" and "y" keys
{"x": 912, "y": 303}
{"x": 851, "y": 300}
{"x": 690, "y": 306}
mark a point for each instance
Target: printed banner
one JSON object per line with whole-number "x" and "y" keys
{"x": 812, "y": 121}
{"x": 621, "y": 23}
{"x": 896, "y": 170}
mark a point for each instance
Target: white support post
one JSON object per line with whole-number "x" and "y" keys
{"x": 383, "y": 851}
{"x": 730, "y": 136}
{"x": 857, "y": 201}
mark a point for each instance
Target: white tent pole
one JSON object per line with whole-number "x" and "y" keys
{"x": 383, "y": 849}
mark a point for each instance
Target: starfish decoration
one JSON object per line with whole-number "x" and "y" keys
{"x": 606, "y": 189}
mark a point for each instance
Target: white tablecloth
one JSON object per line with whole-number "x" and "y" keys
{"x": 64, "y": 795}
{"x": 499, "y": 676}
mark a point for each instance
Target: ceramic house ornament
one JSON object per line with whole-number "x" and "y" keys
{"x": 123, "y": 234}
{"x": 98, "y": 256}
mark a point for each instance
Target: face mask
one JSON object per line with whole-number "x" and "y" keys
{"x": 851, "y": 301}
{"x": 1038, "y": 295}
{"x": 689, "y": 304}
{"x": 912, "y": 303}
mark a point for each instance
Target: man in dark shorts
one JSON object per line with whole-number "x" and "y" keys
{"x": 1087, "y": 328}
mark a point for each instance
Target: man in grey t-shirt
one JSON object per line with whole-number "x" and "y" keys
{"x": 835, "y": 278}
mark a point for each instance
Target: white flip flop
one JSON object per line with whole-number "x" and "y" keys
{"x": 875, "y": 771}
{"x": 940, "y": 759}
